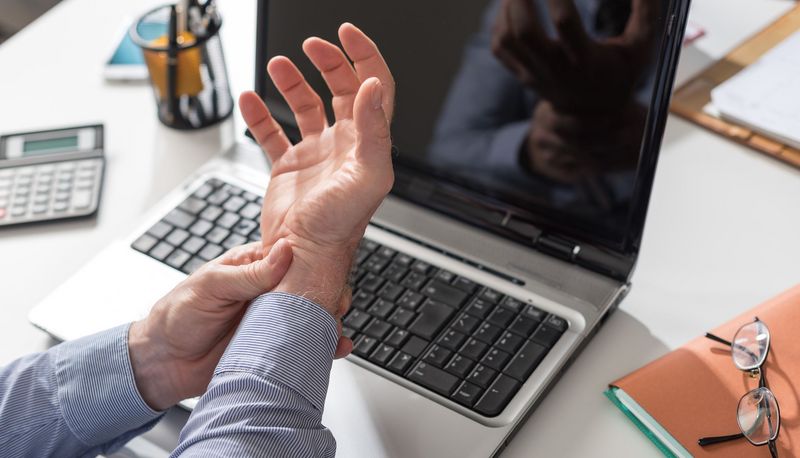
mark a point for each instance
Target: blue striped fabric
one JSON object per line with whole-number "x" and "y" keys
{"x": 268, "y": 391}
{"x": 76, "y": 399}
{"x": 265, "y": 399}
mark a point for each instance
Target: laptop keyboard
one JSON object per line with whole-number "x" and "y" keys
{"x": 442, "y": 331}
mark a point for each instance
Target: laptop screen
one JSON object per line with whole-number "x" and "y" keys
{"x": 502, "y": 117}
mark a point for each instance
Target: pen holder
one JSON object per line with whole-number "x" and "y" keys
{"x": 186, "y": 64}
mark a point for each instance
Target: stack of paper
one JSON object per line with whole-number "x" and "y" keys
{"x": 765, "y": 96}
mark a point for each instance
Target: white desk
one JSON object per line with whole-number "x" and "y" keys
{"x": 723, "y": 231}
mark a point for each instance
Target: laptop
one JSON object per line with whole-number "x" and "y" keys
{"x": 510, "y": 236}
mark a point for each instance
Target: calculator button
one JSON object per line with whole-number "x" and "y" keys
{"x": 82, "y": 199}
{"x": 39, "y": 209}
{"x": 84, "y": 184}
{"x": 62, "y": 196}
{"x": 63, "y": 186}
{"x": 60, "y": 207}
{"x": 41, "y": 199}
{"x": 46, "y": 168}
{"x": 5, "y": 173}
{"x": 66, "y": 166}
{"x": 18, "y": 211}
{"x": 43, "y": 189}
{"x": 5, "y": 183}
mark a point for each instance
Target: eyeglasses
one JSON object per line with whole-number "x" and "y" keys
{"x": 758, "y": 414}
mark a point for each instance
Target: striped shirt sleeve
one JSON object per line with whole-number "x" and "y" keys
{"x": 78, "y": 398}
{"x": 268, "y": 391}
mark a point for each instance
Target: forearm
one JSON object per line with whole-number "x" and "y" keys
{"x": 268, "y": 391}
{"x": 75, "y": 399}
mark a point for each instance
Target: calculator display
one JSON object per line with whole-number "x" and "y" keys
{"x": 49, "y": 145}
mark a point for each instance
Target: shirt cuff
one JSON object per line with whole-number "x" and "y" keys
{"x": 287, "y": 339}
{"x": 96, "y": 388}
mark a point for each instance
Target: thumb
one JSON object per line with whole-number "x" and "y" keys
{"x": 373, "y": 138}
{"x": 247, "y": 281}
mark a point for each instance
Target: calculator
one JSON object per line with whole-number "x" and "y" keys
{"x": 50, "y": 175}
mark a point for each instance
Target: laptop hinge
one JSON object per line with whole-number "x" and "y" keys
{"x": 559, "y": 247}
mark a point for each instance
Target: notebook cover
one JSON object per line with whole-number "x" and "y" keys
{"x": 694, "y": 391}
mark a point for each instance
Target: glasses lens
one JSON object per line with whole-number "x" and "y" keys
{"x": 750, "y": 345}
{"x": 758, "y": 416}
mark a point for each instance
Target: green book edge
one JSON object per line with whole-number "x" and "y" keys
{"x": 659, "y": 436}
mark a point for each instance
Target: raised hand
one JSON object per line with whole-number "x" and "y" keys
{"x": 324, "y": 189}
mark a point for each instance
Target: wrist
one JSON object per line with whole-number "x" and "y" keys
{"x": 319, "y": 273}
{"x": 151, "y": 368}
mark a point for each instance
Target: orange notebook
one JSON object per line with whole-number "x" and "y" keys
{"x": 694, "y": 391}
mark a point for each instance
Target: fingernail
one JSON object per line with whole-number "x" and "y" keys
{"x": 274, "y": 254}
{"x": 377, "y": 94}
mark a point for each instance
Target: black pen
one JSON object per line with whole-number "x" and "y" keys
{"x": 172, "y": 64}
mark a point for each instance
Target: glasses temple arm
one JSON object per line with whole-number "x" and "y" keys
{"x": 718, "y": 339}
{"x": 703, "y": 441}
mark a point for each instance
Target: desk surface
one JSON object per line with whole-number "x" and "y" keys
{"x": 723, "y": 231}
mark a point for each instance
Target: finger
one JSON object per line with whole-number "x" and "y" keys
{"x": 570, "y": 29}
{"x": 267, "y": 132}
{"x": 344, "y": 303}
{"x": 247, "y": 281}
{"x": 526, "y": 42}
{"x": 368, "y": 62}
{"x": 373, "y": 142}
{"x": 343, "y": 347}
{"x": 337, "y": 73}
{"x": 304, "y": 102}
{"x": 242, "y": 254}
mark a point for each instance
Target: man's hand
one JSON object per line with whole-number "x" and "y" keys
{"x": 175, "y": 349}
{"x": 324, "y": 189}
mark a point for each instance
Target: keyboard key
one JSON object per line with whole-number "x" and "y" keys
{"x": 218, "y": 197}
{"x": 233, "y": 240}
{"x": 161, "y": 251}
{"x": 401, "y": 317}
{"x": 250, "y": 211}
{"x": 488, "y": 333}
{"x": 467, "y": 394}
{"x": 350, "y": 333}
{"x": 395, "y": 273}
{"x": 460, "y": 366}
{"x": 445, "y": 276}
{"x": 414, "y": 280}
{"x": 193, "y": 205}
{"x": 217, "y": 235}
{"x": 490, "y": 295}
{"x": 160, "y": 230}
{"x": 557, "y": 322}
{"x": 546, "y": 335}
{"x": 479, "y": 308}
{"x": 232, "y": 190}
{"x": 179, "y": 218}
{"x": 466, "y": 324}
{"x": 410, "y": 300}
{"x": 361, "y": 256}
{"x": 201, "y": 227}
{"x": 382, "y": 355}
{"x": 534, "y": 314}
{"x": 362, "y": 300}
{"x": 370, "y": 283}
{"x": 193, "y": 264}
{"x": 421, "y": 267}
{"x": 211, "y": 213}
{"x": 193, "y": 245}
{"x": 369, "y": 245}
{"x": 375, "y": 264}
{"x": 381, "y": 308}
{"x": 497, "y": 396}
{"x": 433, "y": 315}
{"x": 203, "y": 191}
{"x": 210, "y": 251}
{"x": 397, "y": 337}
{"x": 465, "y": 284}
{"x": 474, "y": 349}
{"x": 452, "y": 339}
{"x": 482, "y": 376}
{"x": 404, "y": 260}
{"x": 509, "y": 342}
{"x": 437, "y": 355}
{"x": 433, "y": 378}
{"x": 501, "y": 316}
{"x": 378, "y": 329}
{"x": 177, "y": 237}
{"x": 523, "y": 326}
{"x": 178, "y": 258}
{"x": 414, "y": 346}
{"x": 228, "y": 220}
{"x": 145, "y": 243}
{"x": 386, "y": 252}
{"x": 356, "y": 319}
{"x": 391, "y": 291}
{"x": 234, "y": 204}
{"x": 495, "y": 359}
{"x": 365, "y": 346}
{"x": 400, "y": 362}
{"x": 442, "y": 292}
{"x": 525, "y": 361}
{"x": 250, "y": 197}
{"x": 512, "y": 304}
{"x": 245, "y": 227}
